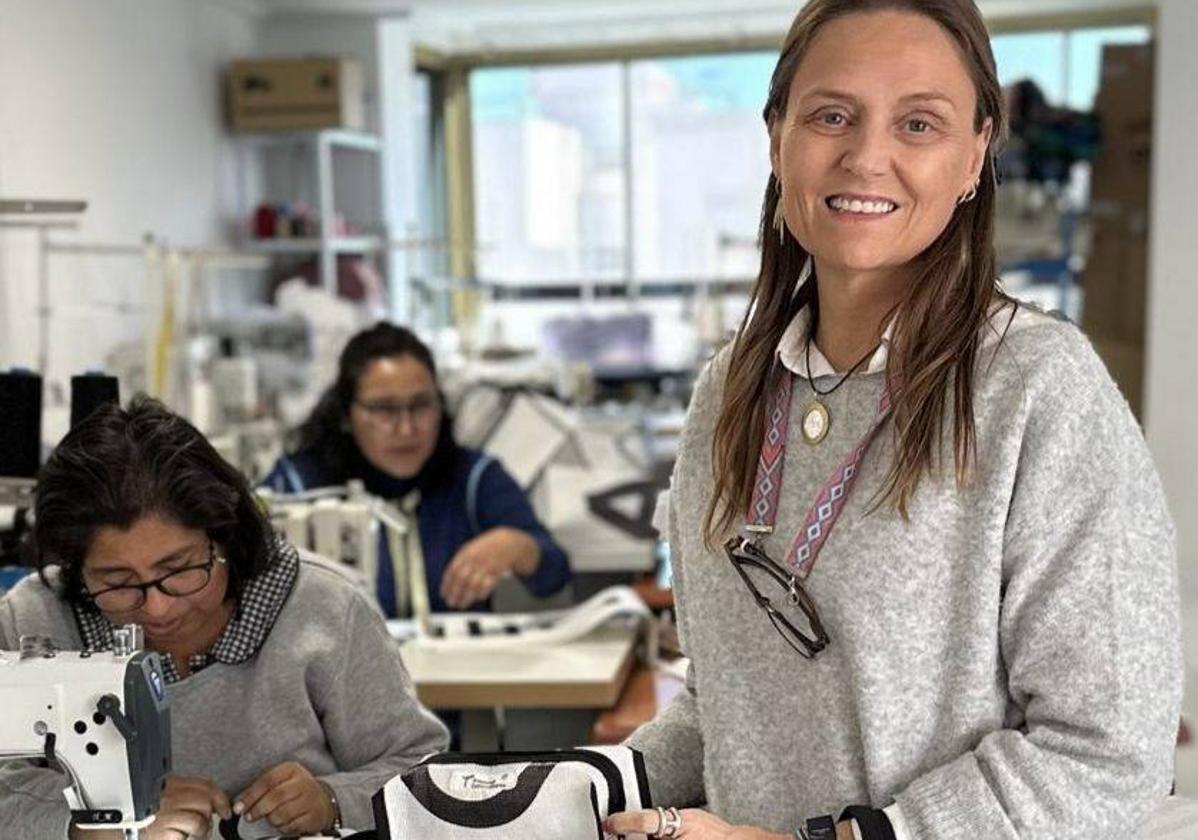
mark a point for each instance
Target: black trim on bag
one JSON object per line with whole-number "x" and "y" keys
{"x": 595, "y": 811}
{"x": 500, "y": 809}
{"x": 616, "y": 800}
{"x": 378, "y": 804}
{"x": 642, "y": 778}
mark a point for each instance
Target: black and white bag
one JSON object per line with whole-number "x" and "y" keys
{"x": 560, "y": 795}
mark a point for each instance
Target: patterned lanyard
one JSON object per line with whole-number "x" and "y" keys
{"x": 763, "y": 510}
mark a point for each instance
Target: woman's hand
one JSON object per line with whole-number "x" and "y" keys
{"x": 290, "y": 798}
{"x": 482, "y": 563}
{"x": 185, "y": 809}
{"x": 696, "y": 825}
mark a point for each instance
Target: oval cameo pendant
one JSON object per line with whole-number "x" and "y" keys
{"x": 816, "y": 422}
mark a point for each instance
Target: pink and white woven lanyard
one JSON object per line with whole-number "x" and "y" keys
{"x": 763, "y": 511}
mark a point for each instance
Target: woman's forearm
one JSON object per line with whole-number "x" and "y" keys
{"x": 524, "y": 553}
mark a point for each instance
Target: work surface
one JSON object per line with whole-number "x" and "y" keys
{"x": 585, "y": 674}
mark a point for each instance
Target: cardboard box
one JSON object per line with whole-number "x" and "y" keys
{"x": 1116, "y": 287}
{"x": 1124, "y": 105}
{"x": 1114, "y": 311}
{"x": 1125, "y": 85}
{"x": 1122, "y": 173}
{"x": 1125, "y": 362}
{"x": 296, "y": 94}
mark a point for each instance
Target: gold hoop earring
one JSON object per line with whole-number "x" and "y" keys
{"x": 969, "y": 196}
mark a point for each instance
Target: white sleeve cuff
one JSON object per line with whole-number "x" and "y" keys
{"x": 895, "y": 814}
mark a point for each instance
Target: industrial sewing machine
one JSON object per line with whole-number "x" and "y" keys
{"x": 102, "y": 717}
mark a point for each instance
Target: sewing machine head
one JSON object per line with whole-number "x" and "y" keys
{"x": 102, "y": 717}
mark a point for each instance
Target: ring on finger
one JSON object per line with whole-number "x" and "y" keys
{"x": 672, "y": 823}
{"x": 661, "y": 822}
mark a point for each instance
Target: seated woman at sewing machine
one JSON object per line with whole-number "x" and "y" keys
{"x": 289, "y": 701}
{"x": 384, "y": 422}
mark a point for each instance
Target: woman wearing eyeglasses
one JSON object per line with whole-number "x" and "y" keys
{"x": 290, "y": 705}
{"x": 924, "y": 570}
{"x": 384, "y": 422}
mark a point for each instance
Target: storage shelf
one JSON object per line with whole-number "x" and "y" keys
{"x": 354, "y": 178}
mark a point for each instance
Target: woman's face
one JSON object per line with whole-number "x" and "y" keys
{"x": 150, "y": 550}
{"x": 395, "y": 417}
{"x": 877, "y": 143}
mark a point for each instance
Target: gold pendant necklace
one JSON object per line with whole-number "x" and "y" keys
{"x": 817, "y": 420}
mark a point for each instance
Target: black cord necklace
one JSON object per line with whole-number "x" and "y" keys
{"x": 843, "y": 379}
{"x": 817, "y": 419}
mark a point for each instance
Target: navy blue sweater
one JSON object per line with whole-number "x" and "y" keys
{"x": 444, "y": 519}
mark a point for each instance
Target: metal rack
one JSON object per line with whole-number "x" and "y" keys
{"x": 327, "y": 246}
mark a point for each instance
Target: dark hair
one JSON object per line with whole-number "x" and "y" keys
{"x": 938, "y": 328}
{"x": 325, "y": 434}
{"x": 120, "y": 465}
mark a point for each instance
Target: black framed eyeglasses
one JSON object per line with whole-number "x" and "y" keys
{"x": 388, "y": 414}
{"x": 186, "y": 581}
{"x": 794, "y": 616}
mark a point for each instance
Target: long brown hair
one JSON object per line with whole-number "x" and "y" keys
{"x": 938, "y": 326}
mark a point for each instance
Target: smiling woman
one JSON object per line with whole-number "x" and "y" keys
{"x": 139, "y": 520}
{"x": 898, "y": 609}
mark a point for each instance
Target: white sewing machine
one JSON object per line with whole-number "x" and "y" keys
{"x": 338, "y": 523}
{"x": 102, "y": 717}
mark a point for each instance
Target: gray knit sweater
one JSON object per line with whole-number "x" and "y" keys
{"x": 326, "y": 689}
{"x": 1006, "y": 664}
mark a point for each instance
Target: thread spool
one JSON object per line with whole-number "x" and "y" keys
{"x": 20, "y": 424}
{"x": 89, "y": 392}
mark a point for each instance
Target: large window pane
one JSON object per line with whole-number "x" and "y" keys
{"x": 1039, "y": 56}
{"x": 549, "y": 173}
{"x": 700, "y": 160}
{"x": 1085, "y": 59}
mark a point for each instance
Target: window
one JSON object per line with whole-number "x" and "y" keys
{"x": 1064, "y": 65}
{"x": 646, "y": 171}
{"x": 1085, "y": 59}
{"x": 700, "y": 162}
{"x": 549, "y": 164}
{"x": 1039, "y": 56}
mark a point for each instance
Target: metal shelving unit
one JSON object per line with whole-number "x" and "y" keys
{"x": 325, "y": 151}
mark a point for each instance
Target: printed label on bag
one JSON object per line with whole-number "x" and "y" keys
{"x": 483, "y": 782}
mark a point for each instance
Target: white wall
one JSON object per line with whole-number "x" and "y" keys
{"x": 397, "y": 105}
{"x": 328, "y": 34}
{"x": 119, "y": 103}
{"x": 1172, "y": 383}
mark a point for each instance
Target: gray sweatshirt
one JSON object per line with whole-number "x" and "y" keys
{"x": 1006, "y": 664}
{"x": 327, "y": 689}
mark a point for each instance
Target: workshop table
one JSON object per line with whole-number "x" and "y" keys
{"x": 588, "y": 673}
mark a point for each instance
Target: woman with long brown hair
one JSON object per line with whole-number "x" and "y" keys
{"x": 923, "y": 565}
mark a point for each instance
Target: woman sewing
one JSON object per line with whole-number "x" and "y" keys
{"x": 290, "y": 705}
{"x": 923, "y": 565}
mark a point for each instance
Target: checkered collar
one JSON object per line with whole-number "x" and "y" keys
{"x": 258, "y": 608}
